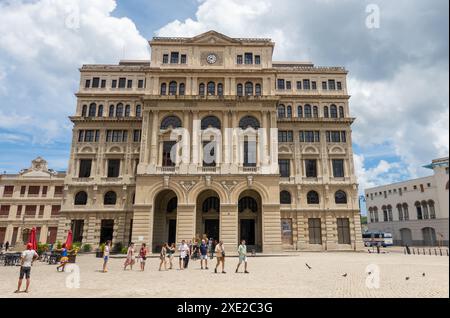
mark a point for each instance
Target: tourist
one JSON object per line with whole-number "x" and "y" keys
{"x": 242, "y": 251}
{"x": 130, "y": 257}
{"x": 106, "y": 252}
{"x": 162, "y": 257}
{"x": 6, "y": 246}
{"x": 203, "y": 254}
{"x": 188, "y": 255}
{"x": 143, "y": 255}
{"x": 220, "y": 254}
{"x": 64, "y": 258}
{"x": 184, "y": 250}
{"x": 27, "y": 259}
{"x": 170, "y": 252}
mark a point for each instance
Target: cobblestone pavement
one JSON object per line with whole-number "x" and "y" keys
{"x": 269, "y": 277}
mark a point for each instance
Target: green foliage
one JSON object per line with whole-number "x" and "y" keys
{"x": 102, "y": 247}
{"x": 42, "y": 248}
{"x": 118, "y": 247}
{"x": 124, "y": 250}
{"x": 87, "y": 248}
{"x": 58, "y": 245}
{"x": 363, "y": 219}
{"x": 76, "y": 245}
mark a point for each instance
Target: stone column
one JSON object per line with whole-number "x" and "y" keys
{"x": 331, "y": 235}
{"x": 143, "y": 225}
{"x": 154, "y": 141}
{"x": 229, "y": 227}
{"x": 196, "y": 147}
{"x": 302, "y": 231}
{"x": 185, "y": 222}
{"x": 226, "y": 142}
{"x": 271, "y": 228}
{"x": 356, "y": 232}
{"x": 144, "y": 157}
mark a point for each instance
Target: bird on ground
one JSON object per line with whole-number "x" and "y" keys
{"x": 369, "y": 273}
{"x": 345, "y": 275}
{"x": 407, "y": 278}
{"x": 423, "y": 275}
{"x": 309, "y": 267}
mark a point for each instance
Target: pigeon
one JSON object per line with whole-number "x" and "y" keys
{"x": 407, "y": 278}
{"x": 369, "y": 273}
{"x": 345, "y": 275}
{"x": 309, "y": 267}
{"x": 423, "y": 275}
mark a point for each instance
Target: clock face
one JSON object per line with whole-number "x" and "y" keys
{"x": 211, "y": 59}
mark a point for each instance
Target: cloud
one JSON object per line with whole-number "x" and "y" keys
{"x": 398, "y": 73}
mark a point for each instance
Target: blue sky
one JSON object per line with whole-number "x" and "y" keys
{"x": 398, "y": 73}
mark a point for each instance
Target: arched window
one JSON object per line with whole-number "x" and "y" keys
{"x": 248, "y": 203}
{"x": 210, "y": 121}
{"x": 316, "y": 112}
{"x": 308, "y": 113}
{"x": 281, "y": 111}
{"x": 390, "y": 215}
{"x": 212, "y": 204}
{"x": 211, "y": 89}
{"x": 81, "y": 198}
{"x": 372, "y": 220}
{"x": 182, "y": 89}
{"x": 127, "y": 111}
{"x": 111, "y": 111}
{"x": 173, "y": 88}
{"x": 240, "y": 90}
{"x": 312, "y": 197}
{"x": 340, "y": 197}
{"x": 171, "y": 121}
{"x": 285, "y": 197}
{"x": 220, "y": 89}
{"x": 201, "y": 89}
{"x": 289, "y": 112}
{"x": 92, "y": 110}
{"x": 258, "y": 90}
{"x": 110, "y": 198}
{"x": 341, "y": 112}
{"x": 405, "y": 212}
{"x": 163, "y": 89}
{"x": 400, "y": 212}
{"x": 100, "y": 111}
{"x": 172, "y": 205}
{"x": 84, "y": 111}
{"x": 119, "y": 110}
{"x": 249, "y": 121}
{"x": 326, "y": 113}
{"x": 375, "y": 214}
{"x": 249, "y": 89}
{"x": 425, "y": 210}
{"x": 432, "y": 209}
{"x": 300, "y": 111}
{"x": 333, "y": 111}
{"x": 419, "y": 211}
{"x": 138, "y": 111}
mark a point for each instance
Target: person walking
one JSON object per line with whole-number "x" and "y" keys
{"x": 184, "y": 250}
{"x": 27, "y": 259}
{"x": 131, "y": 257}
{"x": 64, "y": 258}
{"x": 143, "y": 255}
{"x": 106, "y": 252}
{"x": 242, "y": 251}
{"x": 162, "y": 257}
{"x": 203, "y": 254}
{"x": 170, "y": 252}
{"x": 220, "y": 255}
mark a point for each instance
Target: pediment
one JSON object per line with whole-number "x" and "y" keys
{"x": 337, "y": 150}
{"x": 310, "y": 150}
{"x": 36, "y": 174}
{"x": 212, "y": 38}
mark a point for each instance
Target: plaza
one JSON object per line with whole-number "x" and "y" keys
{"x": 288, "y": 276}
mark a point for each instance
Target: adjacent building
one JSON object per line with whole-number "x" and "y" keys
{"x": 277, "y": 169}
{"x": 31, "y": 198}
{"x": 414, "y": 211}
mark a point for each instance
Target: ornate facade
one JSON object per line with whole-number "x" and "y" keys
{"x": 277, "y": 169}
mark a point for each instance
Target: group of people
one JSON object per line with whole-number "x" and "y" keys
{"x": 4, "y": 246}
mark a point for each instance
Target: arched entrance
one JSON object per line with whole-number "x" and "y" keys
{"x": 164, "y": 219}
{"x": 429, "y": 236}
{"x": 406, "y": 237}
{"x": 250, "y": 219}
{"x": 208, "y": 215}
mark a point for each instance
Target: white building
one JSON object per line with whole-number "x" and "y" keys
{"x": 414, "y": 211}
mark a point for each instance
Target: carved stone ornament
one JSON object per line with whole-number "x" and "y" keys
{"x": 208, "y": 181}
{"x": 187, "y": 186}
{"x": 229, "y": 185}
{"x": 166, "y": 181}
{"x": 250, "y": 181}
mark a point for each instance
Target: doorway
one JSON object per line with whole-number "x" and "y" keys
{"x": 212, "y": 229}
{"x": 172, "y": 237}
{"x": 77, "y": 230}
{"x": 248, "y": 231}
{"x": 106, "y": 231}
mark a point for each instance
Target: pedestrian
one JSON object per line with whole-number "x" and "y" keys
{"x": 131, "y": 257}
{"x": 106, "y": 252}
{"x": 143, "y": 255}
{"x": 188, "y": 255}
{"x": 64, "y": 258}
{"x": 170, "y": 252}
{"x": 6, "y": 246}
{"x": 27, "y": 259}
{"x": 203, "y": 254}
{"x": 242, "y": 251}
{"x": 184, "y": 250}
{"x": 162, "y": 257}
{"x": 220, "y": 255}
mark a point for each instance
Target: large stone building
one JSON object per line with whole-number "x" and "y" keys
{"x": 415, "y": 212}
{"x": 285, "y": 181}
{"x": 31, "y": 198}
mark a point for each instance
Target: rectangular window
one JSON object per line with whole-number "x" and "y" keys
{"x": 183, "y": 59}
{"x": 315, "y": 231}
{"x": 285, "y": 168}
{"x": 331, "y": 85}
{"x": 311, "y": 168}
{"x": 97, "y": 135}
{"x": 317, "y": 136}
{"x": 113, "y": 168}
{"x": 280, "y": 84}
{"x": 23, "y": 190}
{"x": 59, "y": 190}
{"x": 34, "y": 190}
{"x": 338, "y": 168}
{"x": 167, "y": 148}
{"x": 19, "y": 211}
{"x": 309, "y": 136}
{"x": 248, "y": 58}
{"x": 299, "y": 85}
{"x": 141, "y": 84}
{"x": 30, "y": 211}
{"x": 136, "y": 136}
{"x": 335, "y": 136}
{"x": 114, "y": 84}
{"x": 103, "y": 84}
{"x": 41, "y": 211}
{"x": 4, "y": 211}
{"x": 130, "y": 84}
{"x": 239, "y": 59}
{"x": 339, "y": 86}
{"x": 87, "y": 84}
{"x": 314, "y": 85}
{"x": 95, "y": 82}
{"x": 306, "y": 84}
{"x": 44, "y": 191}
{"x": 85, "y": 168}
{"x": 122, "y": 82}
{"x": 55, "y": 210}
{"x": 343, "y": 136}
{"x": 174, "y": 57}
{"x": 288, "y": 85}
{"x": 343, "y": 227}
{"x": 8, "y": 191}
{"x": 324, "y": 86}
{"x": 89, "y": 135}
{"x": 285, "y": 136}
{"x": 165, "y": 58}
{"x": 249, "y": 153}
{"x": 257, "y": 59}
{"x": 209, "y": 153}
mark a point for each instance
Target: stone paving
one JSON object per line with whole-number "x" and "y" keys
{"x": 286, "y": 276}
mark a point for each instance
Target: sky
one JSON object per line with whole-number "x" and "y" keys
{"x": 398, "y": 66}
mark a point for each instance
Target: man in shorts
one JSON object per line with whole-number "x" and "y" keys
{"x": 27, "y": 260}
{"x": 184, "y": 250}
{"x": 203, "y": 254}
{"x": 242, "y": 251}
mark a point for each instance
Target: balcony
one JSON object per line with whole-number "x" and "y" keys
{"x": 208, "y": 169}
{"x": 167, "y": 169}
{"x": 82, "y": 180}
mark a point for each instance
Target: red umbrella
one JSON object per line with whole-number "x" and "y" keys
{"x": 32, "y": 240}
{"x": 69, "y": 240}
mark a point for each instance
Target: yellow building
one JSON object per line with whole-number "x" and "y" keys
{"x": 213, "y": 137}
